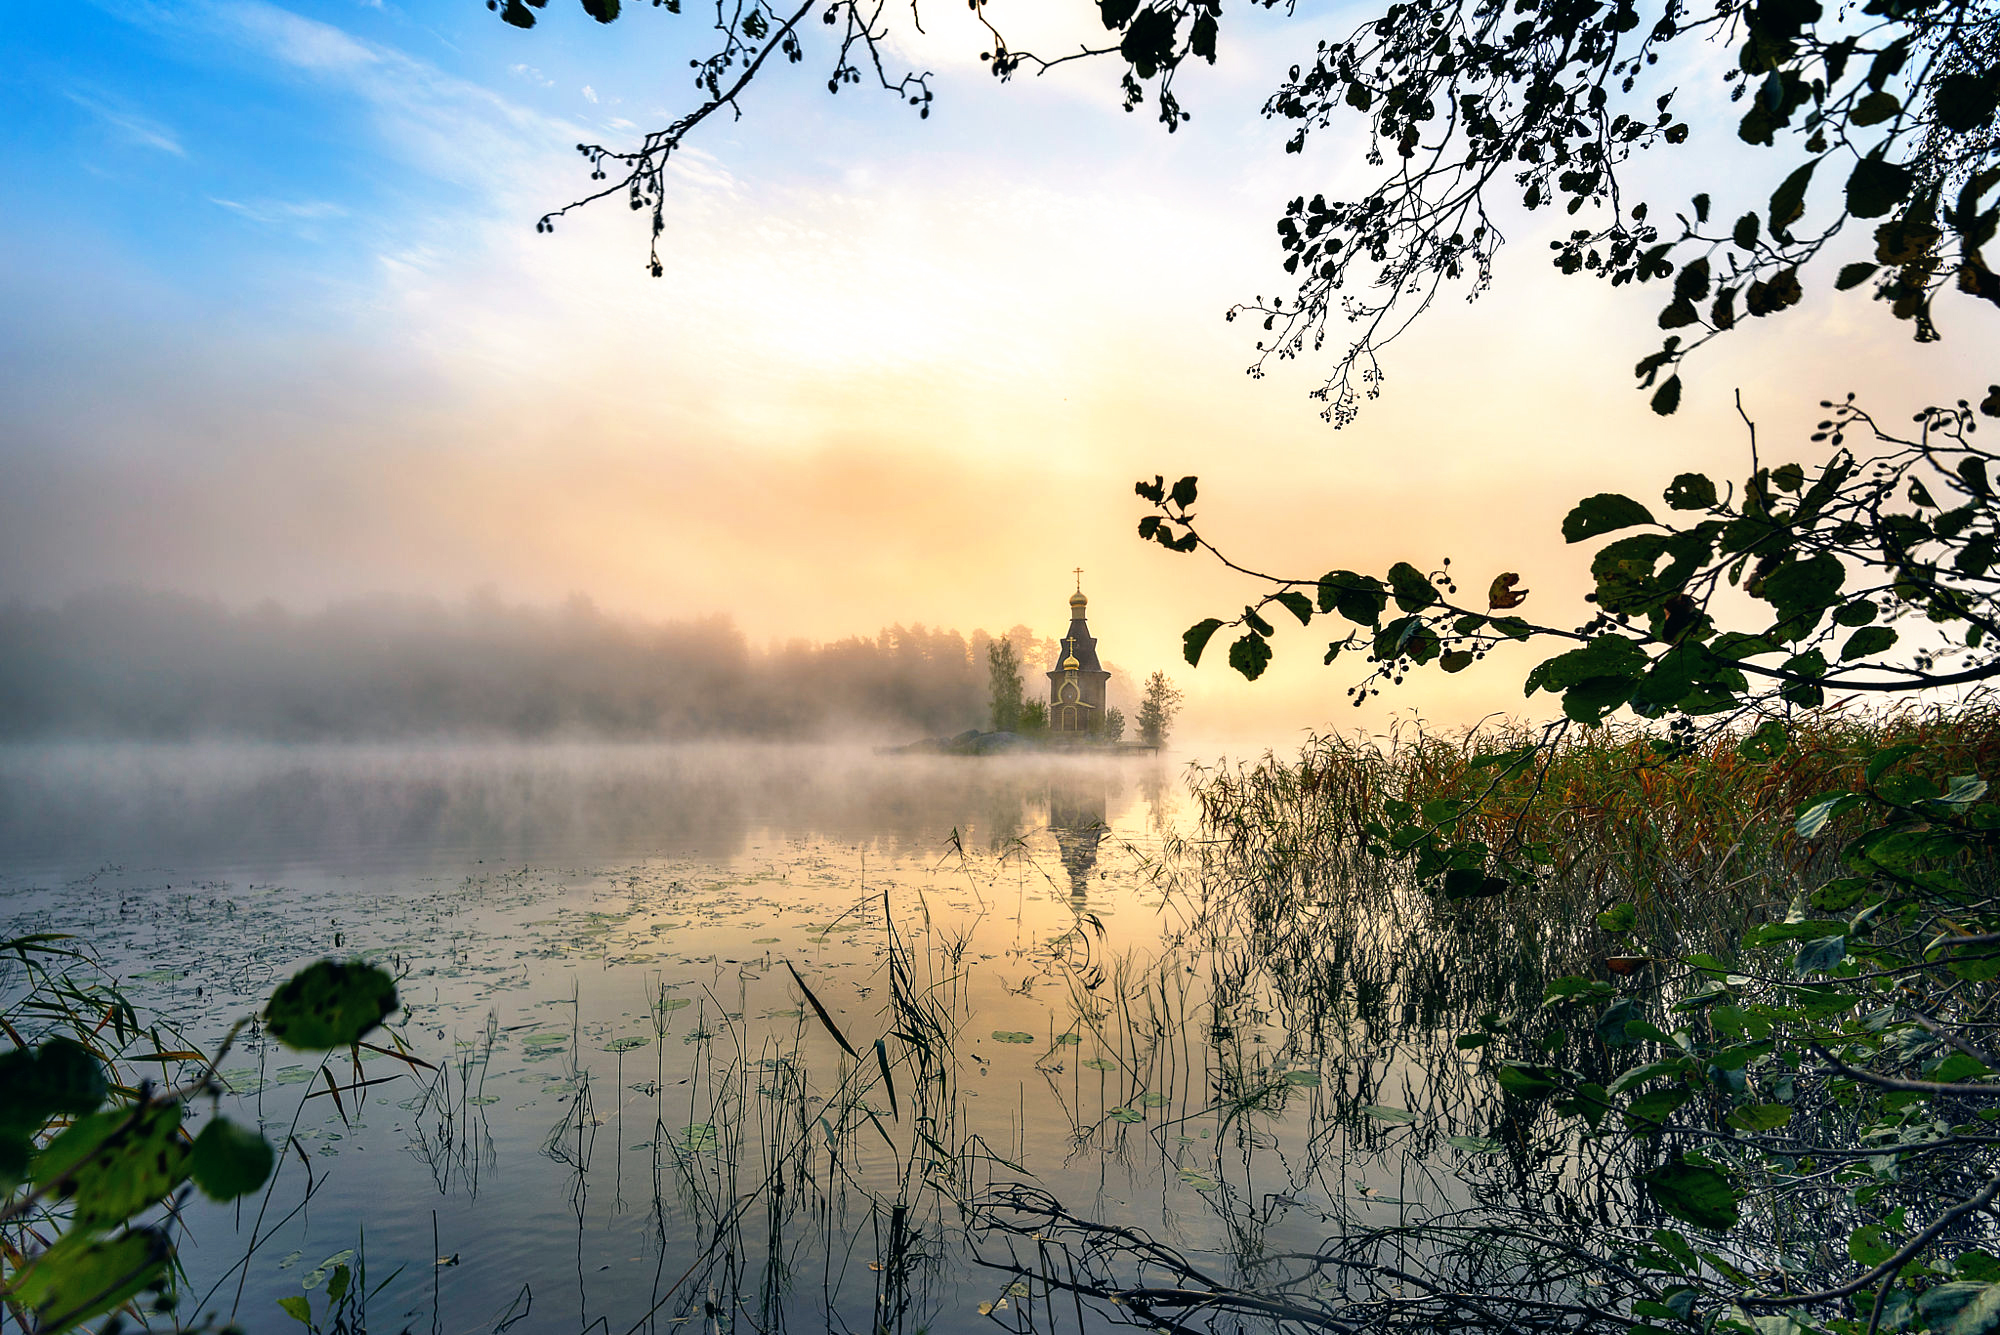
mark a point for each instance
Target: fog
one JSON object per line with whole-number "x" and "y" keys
{"x": 156, "y": 666}
{"x": 138, "y": 813}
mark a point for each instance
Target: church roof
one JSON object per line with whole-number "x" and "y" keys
{"x": 1078, "y": 644}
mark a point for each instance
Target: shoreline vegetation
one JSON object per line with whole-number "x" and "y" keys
{"x": 973, "y": 742}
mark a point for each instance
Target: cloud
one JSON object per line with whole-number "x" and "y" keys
{"x": 137, "y": 129}
{"x": 281, "y": 211}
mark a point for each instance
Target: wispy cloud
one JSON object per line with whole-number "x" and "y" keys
{"x": 281, "y": 211}
{"x": 137, "y": 129}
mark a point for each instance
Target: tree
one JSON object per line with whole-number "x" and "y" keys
{"x": 1003, "y": 675}
{"x": 1882, "y": 117}
{"x": 1034, "y": 719}
{"x": 1157, "y": 709}
{"x": 1114, "y": 724}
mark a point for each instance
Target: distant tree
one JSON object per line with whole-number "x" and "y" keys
{"x": 1034, "y": 719}
{"x": 1114, "y": 724}
{"x": 1156, "y": 711}
{"x": 1003, "y": 674}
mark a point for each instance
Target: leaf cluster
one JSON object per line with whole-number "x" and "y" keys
{"x": 1839, "y": 1068}
{"x": 88, "y": 1150}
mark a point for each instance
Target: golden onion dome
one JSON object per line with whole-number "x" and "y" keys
{"x": 1070, "y": 664}
{"x": 1077, "y": 599}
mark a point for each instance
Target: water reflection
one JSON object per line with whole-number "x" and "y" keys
{"x": 727, "y": 1040}
{"x": 228, "y": 807}
{"x": 1078, "y": 805}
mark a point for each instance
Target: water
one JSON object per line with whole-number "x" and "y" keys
{"x": 636, "y": 1118}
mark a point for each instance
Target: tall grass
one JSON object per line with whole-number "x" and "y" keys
{"x": 1696, "y": 839}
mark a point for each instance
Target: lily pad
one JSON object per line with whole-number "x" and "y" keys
{"x": 1126, "y": 1115}
{"x": 1393, "y": 1116}
{"x": 1012, "y": 1036}
{"x": 1475, "y": 1144}
{"x": 1303, "y": 1079}
{"x": 626, "y": 1044}
{"x": 1152, "y": 1100}
{"x": 675, "y": 1003}
{"x": 1069, "y": 1040}
{"x": 698, "y": 1137}
{"x": 1100, "y": 1063}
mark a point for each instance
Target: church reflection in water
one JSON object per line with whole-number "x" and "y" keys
{"x": 1077, "y": 819}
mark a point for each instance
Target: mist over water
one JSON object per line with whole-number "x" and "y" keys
{"x": 233, "y": 808}
{"x": 125, "y": 664}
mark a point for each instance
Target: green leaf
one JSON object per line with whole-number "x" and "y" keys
{"x": 1472, "y": 883}
{"x": 1965, "y": 101}
{"x": 1690, "y": 491}
{"x": 230, "y": 1160}
{"x": 1867, "y": 641}
{"x": 1618, "y": 919}
{"x": 1808, "y": 586}
{"x": 1760, "y": 1117}
{"x": 1392, "y": 1116}
{"x": 297, "y": 1308}
{"x": 1961, "y": 1308}
{"x": 1649, "y": 1112}
{"x": 115, "y": 1164}
{"x": 1413, "y": 592}
{"x": 1854, "y": 275}
{"x": 1766, "y": 744}
{"x": 1475, "y": 1144}
{"x": 1196, "y": 637}
{"x": 1822, "y": 954}
{"x": 1875, "y": 108}
{"x": 1605, "y": 512}
{"x": 1788, "y": 201}
{"x": 1250, "y": 655}
{"x": 1814, "y": 818}
{"x": 1528, "y": 1082}
{"x": 330, "y": 1005}
{"x": 1297, "y": 604}
{"x": 83, "y": 1276}
{"x": 1183, "y": 493}
{"x": 1875, "y": 186}
{"x": 1667, "y": 398}
{"x": 58, "y": 1079}
{"x": 1694, "y": 1193}
{"x": 1359, "y": 598}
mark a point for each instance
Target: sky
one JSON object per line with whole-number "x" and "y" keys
{"x": 280, "y": 326}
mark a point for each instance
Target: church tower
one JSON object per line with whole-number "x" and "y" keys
{"x": 1076, "y": 683}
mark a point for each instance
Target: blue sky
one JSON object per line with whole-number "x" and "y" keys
{"x": 281, "y": 327}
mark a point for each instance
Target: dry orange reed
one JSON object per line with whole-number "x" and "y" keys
{"x": 1705, "y": 830}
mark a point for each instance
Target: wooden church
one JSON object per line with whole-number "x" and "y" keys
{"x": 1076, "y": 683}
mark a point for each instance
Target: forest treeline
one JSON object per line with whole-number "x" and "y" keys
{"x": 154, "y": 665}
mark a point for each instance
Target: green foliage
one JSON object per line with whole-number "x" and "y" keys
{"x": 1162, "y": 700}
{"x": 1003, "y": 676}
{"x": 1842, "y": 559}
{"x": 1882, "y": 113}
{"x": 330, "y": 1004}
{"x": 92, "y": 1149}
{"x": 1034, "y": 719}
{"x": 229, "y": 1161}
{"x": 1114, "y": 724}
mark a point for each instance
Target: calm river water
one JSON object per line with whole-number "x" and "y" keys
{"x": 613, "y": 955}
